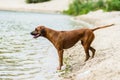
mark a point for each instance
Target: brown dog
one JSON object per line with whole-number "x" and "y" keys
{"x": 66, "y": 39}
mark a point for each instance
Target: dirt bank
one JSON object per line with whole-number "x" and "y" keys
{"x": 106, "y": 63}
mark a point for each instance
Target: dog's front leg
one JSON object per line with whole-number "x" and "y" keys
{"x": 60, "y": 55}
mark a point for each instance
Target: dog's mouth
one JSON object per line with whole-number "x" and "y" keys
{"x": 36, "y": 36}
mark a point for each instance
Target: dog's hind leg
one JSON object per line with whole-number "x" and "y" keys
{"x": 93, "y": 51}
{"x": 86, "y": 48}
{"x": 86, "y": 42}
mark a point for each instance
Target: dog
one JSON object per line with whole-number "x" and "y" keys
{"x": 66, "y": 39}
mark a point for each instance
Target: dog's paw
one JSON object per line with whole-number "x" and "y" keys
{"x": 59, "y": 68}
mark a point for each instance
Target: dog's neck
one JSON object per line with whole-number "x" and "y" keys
{"x": 51, "y": 34}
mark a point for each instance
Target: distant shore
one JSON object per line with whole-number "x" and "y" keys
{"x": 53, "y": 6}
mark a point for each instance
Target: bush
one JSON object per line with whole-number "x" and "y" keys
{"x": 113, "y": 5}
{"x": 85, "y": 6}
{"x": 36, "y": 1}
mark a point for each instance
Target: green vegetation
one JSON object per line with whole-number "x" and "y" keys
{"x": 35, "y": 1}
{"x": 84, "y": 6}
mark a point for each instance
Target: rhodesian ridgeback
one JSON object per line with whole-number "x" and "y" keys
{"x": 66, "y": 39}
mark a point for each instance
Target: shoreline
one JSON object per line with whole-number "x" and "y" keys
{"x": 44, "y": 12}
{"x": 32, "y": 11}
{"x": 107, "y": 45}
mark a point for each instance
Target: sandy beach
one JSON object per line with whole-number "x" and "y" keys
{"x": 106, "y": 63}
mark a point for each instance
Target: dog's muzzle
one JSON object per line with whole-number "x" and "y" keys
{"x": 35, "y": 35}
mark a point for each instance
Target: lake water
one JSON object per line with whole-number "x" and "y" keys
{"x": 25, "y": 58}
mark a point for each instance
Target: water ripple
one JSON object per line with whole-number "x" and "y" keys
{"x": 21, "y": 56}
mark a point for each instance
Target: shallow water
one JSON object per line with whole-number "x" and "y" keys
{"x": 21, "y": 56}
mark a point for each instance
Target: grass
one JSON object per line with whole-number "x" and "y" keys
{"x": 84, "y": 6}
{"x": 36, "y": 1}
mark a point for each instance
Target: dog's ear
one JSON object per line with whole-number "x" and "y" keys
{"x": 43, "y": 32}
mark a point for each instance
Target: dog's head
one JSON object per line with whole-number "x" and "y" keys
{"x": 39, "y": 31}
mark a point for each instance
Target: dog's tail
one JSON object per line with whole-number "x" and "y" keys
{"x": 102, "y": 27}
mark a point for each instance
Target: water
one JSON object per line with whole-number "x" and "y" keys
{"x": 21, "y": 56}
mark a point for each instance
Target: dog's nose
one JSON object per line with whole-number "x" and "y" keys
{"x": 31, "y": 33}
